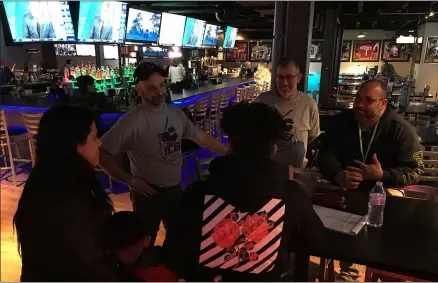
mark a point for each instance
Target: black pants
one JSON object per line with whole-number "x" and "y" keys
{"x": 159, "y": 207}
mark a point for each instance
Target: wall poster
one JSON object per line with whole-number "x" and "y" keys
{"x": 346, "y": 51}
{"x": 260, "y": 51}
{"x": 366, "y": 51}
{"x": 238, "y": 53}
{"x": 316, "y": 51}
{"x": 396, "y": 52}
{"x": 431, "y": 52}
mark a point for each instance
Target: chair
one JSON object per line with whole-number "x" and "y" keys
{"x": 200, "y": 113}
{"x": 251, "y": 93}
{"x": 202, "y": 168}
{"x": 373, "y": 275}
{"x": 430, "y": 160}
{"x": 32, "y": 123}
{"x": 213, "y": 115}
{"x": 5, "y": 141}
{"x": 240, "y": 94}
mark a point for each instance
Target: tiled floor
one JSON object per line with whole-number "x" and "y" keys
{"x": 10, "y": 261}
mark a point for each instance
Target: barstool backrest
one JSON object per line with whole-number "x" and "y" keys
{"x": 3, "y": 124}
{"x": 32, "y": 122}
{"x": 430, "y": 160}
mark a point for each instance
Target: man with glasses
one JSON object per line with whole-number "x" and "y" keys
{"x": 367, "y": 145}
{"x": 151, "y": 136}
{"x": 298, "y": 110}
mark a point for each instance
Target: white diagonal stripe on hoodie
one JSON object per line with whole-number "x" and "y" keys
{"x": 270, "y": 205}
{"x": 209, "y": 210}
{"x": 264, "y": 265}
{"x": 278, "y": 214}
{"x": 208, "y": 198}
{"x": 210, "y": 253}
{"x": 221, "y": 215}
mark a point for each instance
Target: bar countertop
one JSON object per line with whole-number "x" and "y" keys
{"x": 40, "y": 100}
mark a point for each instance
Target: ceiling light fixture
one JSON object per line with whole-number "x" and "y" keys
{"x": 361, "y": 35}
{"x": 431, "y": 14}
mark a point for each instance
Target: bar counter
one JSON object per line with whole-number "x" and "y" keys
{"x": 38, "y": 102}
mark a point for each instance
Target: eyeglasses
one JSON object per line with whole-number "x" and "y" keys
{"x": 287, "y": 77}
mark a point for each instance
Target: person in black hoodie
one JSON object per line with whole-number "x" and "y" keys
{"x": 63, "y": 209}
{"x": 369, "y": 144}
{"x": 242, "y": 222}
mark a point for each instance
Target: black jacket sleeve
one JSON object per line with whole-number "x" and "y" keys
{"x": 83, "y": 244}
{"x": 328, "y": 157}
{"x": 310, "y": 230}
{"x": 409, "y": 158}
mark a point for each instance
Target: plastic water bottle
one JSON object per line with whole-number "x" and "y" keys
{"x": 376, "y": 205}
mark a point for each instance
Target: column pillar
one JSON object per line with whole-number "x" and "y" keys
{"x": 100, "y": 58}
{"x": 292, "y": 36}
{"x": 330, "y": 55}
{"x": 48, "y": 55}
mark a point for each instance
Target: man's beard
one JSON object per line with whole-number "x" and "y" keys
{"x": 156, "y": 100}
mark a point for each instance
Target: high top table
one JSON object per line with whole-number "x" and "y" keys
{"x": 407, "y": 242}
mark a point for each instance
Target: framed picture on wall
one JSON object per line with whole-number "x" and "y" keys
{"x": 396, "y": 52}
{"x": 238, "y": 53}
{"x": 260, "y": 51}
{"x": 417, "y": 57}
{"x": 316, "y": 51}
{"x": 366, "y": 51}
{"x": 346, "y": 51}
{"x": 431, "y": 52}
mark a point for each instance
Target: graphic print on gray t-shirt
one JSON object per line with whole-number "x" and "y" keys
{"x": 170, "y": 144}
{"x": 152, "y": 141}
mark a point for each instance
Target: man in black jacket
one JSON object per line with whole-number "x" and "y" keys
{"x": 242, "y": 222}
{"x": 370, "y": 144}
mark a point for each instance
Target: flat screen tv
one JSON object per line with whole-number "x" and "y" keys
{"x": 210, "y": 35}
{"x": 155, "y": 51}
{"x": 85, "y": 50}
{"x": 102, "y": 22}
{"x": 230, "y": 37}
{"x": 111, "y": 52}
{"x": 143, "y": 26}
{"x": 65, "y": 49}
{"x": 172, "y": 29}
{"x": 193, "y": 33}
{"x": 39, "y": 21}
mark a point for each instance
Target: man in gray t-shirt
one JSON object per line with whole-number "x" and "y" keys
{"x": 150, "y": 135}
{"x": 299, "y": 111}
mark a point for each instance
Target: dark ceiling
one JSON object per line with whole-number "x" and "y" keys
{"x": 255, "y": 19}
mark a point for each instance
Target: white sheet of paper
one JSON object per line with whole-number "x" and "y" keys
{"x": 340, "y": 221}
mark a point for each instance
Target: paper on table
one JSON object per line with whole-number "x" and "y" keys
{"x": 340, "y": 221}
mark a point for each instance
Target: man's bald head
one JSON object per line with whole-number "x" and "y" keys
{"x": 370, "y": 102}
{"x": 375, "y": 85}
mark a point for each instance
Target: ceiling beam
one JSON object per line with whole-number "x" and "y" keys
{"x": 387, "y": 17}
{"x": 194, "y": 11}
{"x": 181, "y": 4}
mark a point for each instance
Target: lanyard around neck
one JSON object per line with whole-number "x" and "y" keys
{"x": 364, "y": 157}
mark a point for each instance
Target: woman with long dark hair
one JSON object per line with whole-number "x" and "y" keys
{"x": 63, "y": 208}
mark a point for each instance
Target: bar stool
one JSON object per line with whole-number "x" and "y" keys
{"x": 200, "y": 113}
{"x": 250, "y": 93}
{"x": 430, "y": 160}
{"x": 213, "y": 114}
{"x": 202, "y": 168}
{"x": 32, "y": 124}
{"x": 240, "y": 94}
{"x": 223, "y": 103}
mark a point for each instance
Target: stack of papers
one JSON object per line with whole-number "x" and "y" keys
{"x": 340, "y": 221}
